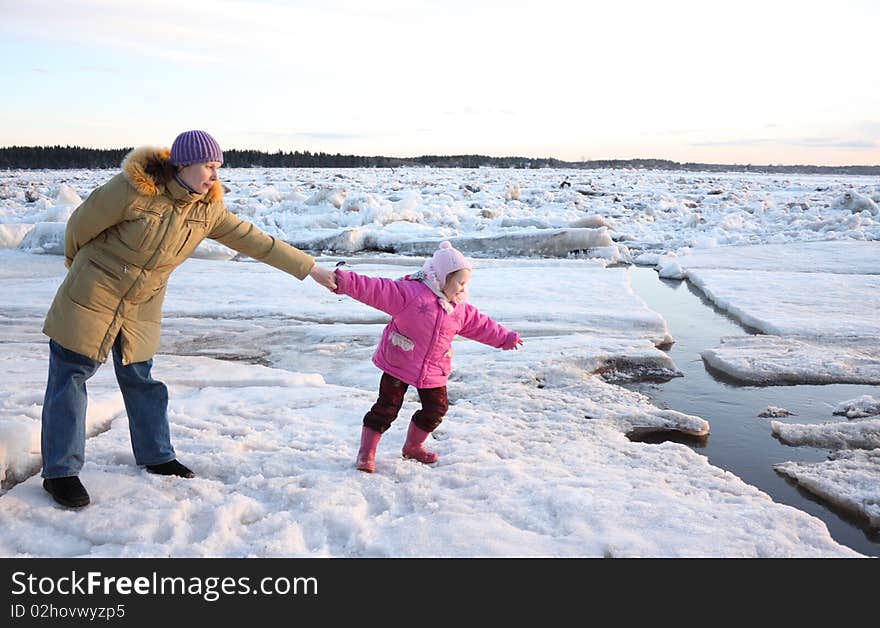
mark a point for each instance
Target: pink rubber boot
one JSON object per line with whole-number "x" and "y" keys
{"x": 415, "y": 436}
{"x": 366, "y": 460}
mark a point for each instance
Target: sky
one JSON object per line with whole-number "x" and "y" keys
{"x": 748, "y": 82}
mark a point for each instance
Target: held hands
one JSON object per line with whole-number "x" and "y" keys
{"x": 324, "y": 277}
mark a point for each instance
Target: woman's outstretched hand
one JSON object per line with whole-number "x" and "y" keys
{"x": 326, "y": 278}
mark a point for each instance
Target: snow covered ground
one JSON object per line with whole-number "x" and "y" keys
{"x": 408, "y": 209}
{"x": 270, "y": 377}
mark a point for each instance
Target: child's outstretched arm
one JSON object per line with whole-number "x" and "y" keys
{"x": 483, "y": 329}
{"x": 383, "y": 294}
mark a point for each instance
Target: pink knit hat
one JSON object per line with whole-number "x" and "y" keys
{"x": 446, "y": 260}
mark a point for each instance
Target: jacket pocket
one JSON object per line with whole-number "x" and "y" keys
{"x": 195, "y": 230}
{"x": 445, "y": 362}
{"x": 104, "y": 270}
{"x": 399, "y": 340}
{"x": 142, "y": 227}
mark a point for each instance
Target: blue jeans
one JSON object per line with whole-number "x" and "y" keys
{"x": 63, "y": 437}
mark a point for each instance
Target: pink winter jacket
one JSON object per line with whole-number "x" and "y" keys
{"x": 416, "y": 346}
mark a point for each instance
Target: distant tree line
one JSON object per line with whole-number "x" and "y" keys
{"x": 234, "y": 158}
{"x": 74, "y": 157}
{"x": 55, "y": 157}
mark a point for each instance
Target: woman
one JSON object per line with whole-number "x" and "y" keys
{"x": 121, "y": 244}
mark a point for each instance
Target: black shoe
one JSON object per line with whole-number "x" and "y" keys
{"x": 67, "y": 491}
{"x": 172, "y": 467}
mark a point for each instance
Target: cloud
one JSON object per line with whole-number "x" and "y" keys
{"x": 802, "y": 142}
{"x": 826, "y": 142}
{"x": 310, "y": 135}
{"x": 199, "y": 33}
{"x": 469, "y": 110}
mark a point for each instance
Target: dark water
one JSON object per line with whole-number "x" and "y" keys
{"x": 739, "y": 440}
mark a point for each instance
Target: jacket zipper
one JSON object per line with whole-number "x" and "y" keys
{"x": 437, "y": 323}
{"x": 185, "y": 242}
{"x": 144, "y": 268}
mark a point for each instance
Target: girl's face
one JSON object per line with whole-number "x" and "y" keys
{"x": 455, "y": 283}
{"x": 200, "y": 177}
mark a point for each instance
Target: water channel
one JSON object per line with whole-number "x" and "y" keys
{"x": 739, "y": 440}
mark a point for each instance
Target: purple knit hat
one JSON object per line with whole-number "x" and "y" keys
{"x": 445, "y": 261}
{"x": 195, "y": 147}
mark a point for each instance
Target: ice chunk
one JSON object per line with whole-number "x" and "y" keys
{"x": 211, "y": 249}
{"x": 11, "y": 236}
{"x": 544, "y": 242}
{"x": 331, "y": 196}
{"x": 45, "y": 237}
{"x": 765, "y": 359}
{"x": 592, "y": 222}
{"x": 670, "y": 268}
{"x": 268, "y": 195}
{"x": 848, "y": 479}
{"x": 864, "y": 434}
{"x": 773, "y": 411}
{"x": 860, "y": 407}
{"x": 856, "y": 203}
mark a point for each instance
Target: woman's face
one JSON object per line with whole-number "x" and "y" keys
{"x": 455, "y": 283}
{"x": 200, "y": 177}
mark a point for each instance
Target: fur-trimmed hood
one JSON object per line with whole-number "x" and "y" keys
{"x": 149, "y": 169}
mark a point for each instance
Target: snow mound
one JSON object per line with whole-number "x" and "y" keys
{"x": 334, "y": 197}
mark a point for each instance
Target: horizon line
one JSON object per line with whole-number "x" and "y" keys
{"x": 472, "y": 155}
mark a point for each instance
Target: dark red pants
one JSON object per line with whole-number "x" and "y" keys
{"x": 387, "y": 406}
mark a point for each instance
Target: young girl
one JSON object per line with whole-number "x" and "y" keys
{"x": 427, "y": 309}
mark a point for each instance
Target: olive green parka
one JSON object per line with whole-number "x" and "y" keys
{"x": 121, "y": 245}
